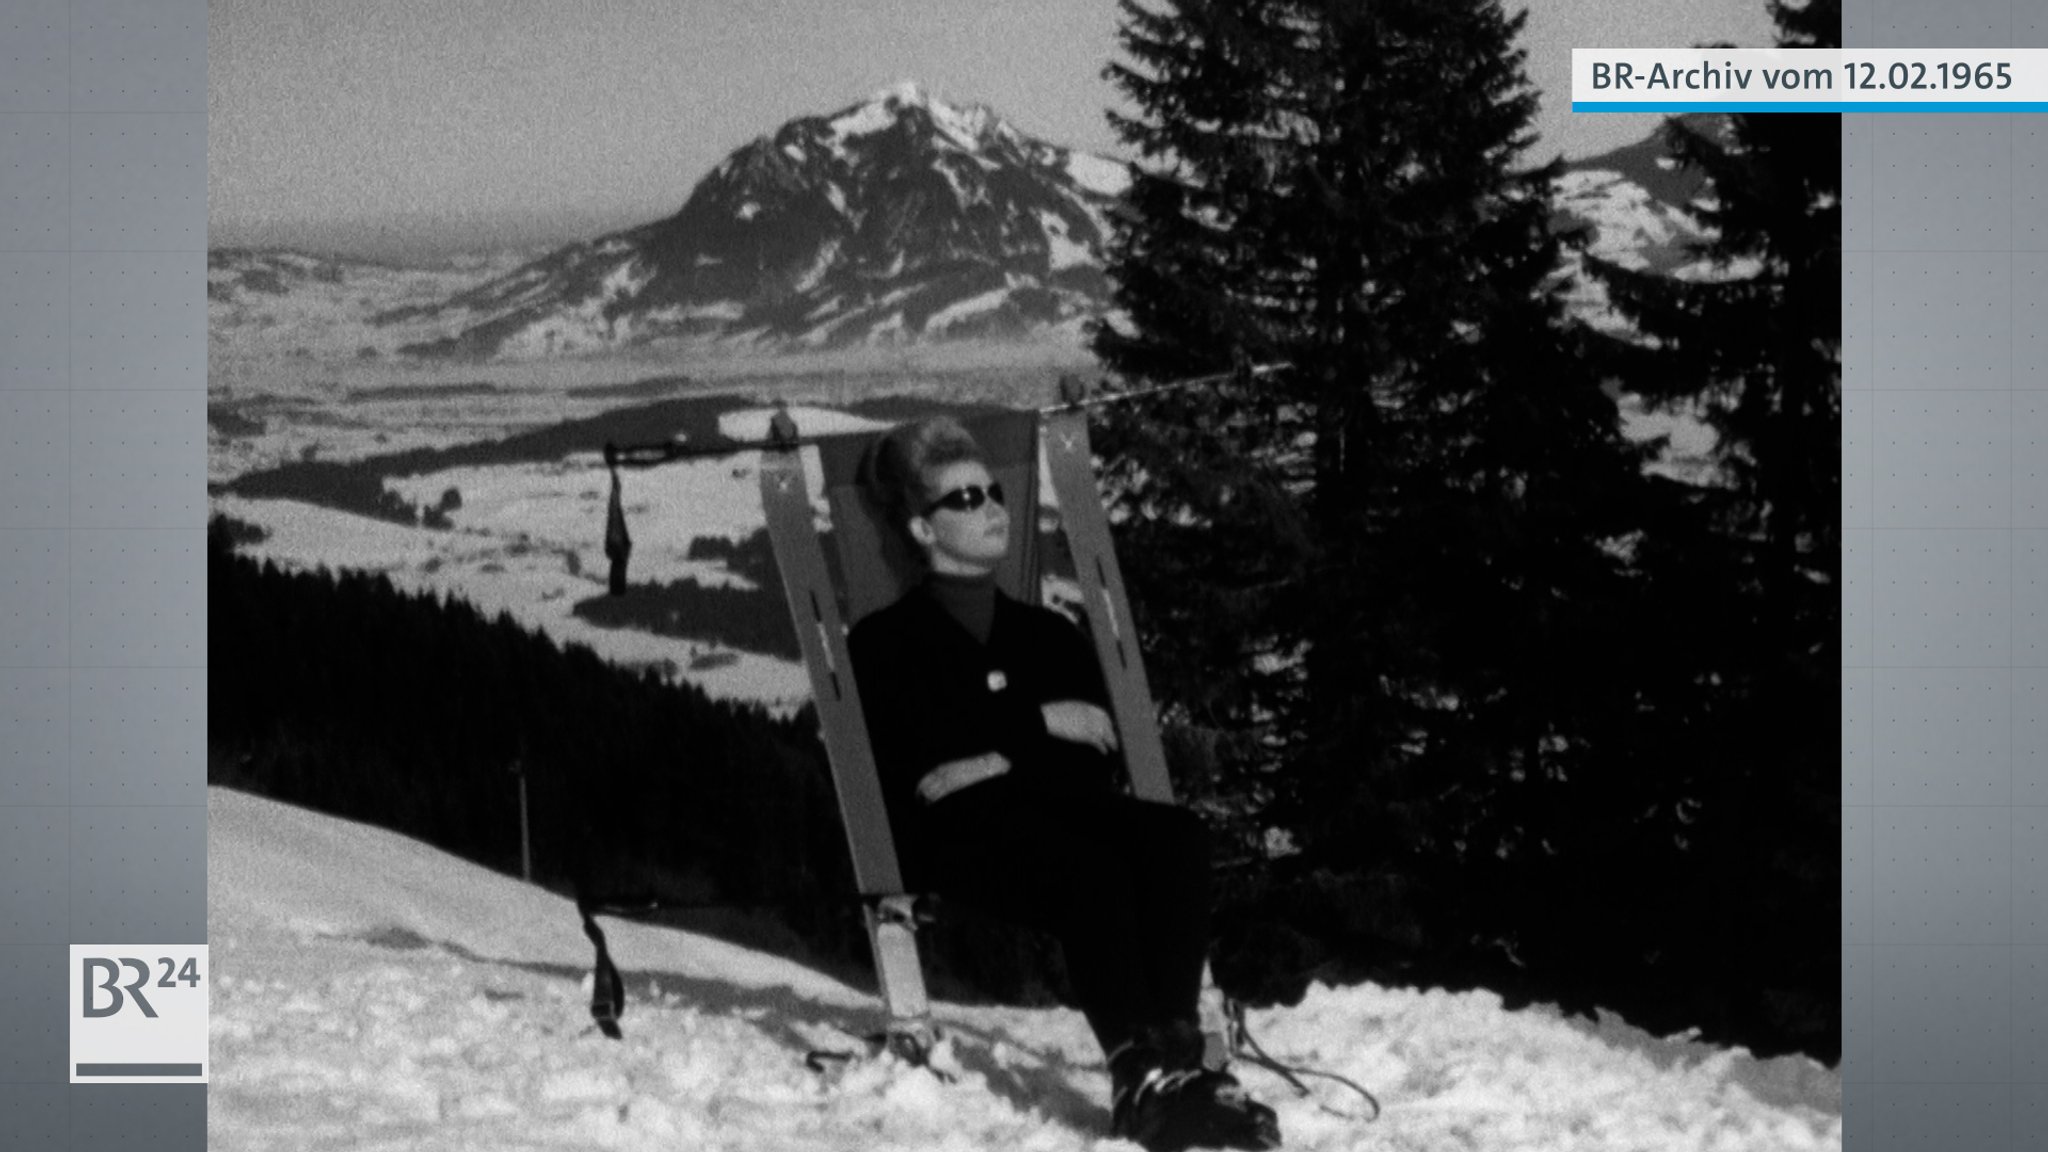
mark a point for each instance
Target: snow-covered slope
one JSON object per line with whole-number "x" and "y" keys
{"x": 286, "y": 303}
{"x": 1637, "y": 200}
{"x": 527, "y": 540}
{"x": 370, "y": 992}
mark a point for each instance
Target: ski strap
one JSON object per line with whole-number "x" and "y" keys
{"x": 607, "y": 990}
{"x": 1241, "y": 1032}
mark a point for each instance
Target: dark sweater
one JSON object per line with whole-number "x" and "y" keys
{"x": 932, "y": 692}
{"x": 970, "y": 600}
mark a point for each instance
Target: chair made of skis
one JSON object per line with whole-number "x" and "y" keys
{"x": 868, "y": 567}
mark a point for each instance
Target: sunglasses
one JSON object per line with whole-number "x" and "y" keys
{"x": 968, "y": 498}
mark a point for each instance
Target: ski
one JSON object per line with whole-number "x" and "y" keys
{"x": 806, "y": 582}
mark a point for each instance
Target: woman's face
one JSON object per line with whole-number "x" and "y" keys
{"x": 963, "y": 541}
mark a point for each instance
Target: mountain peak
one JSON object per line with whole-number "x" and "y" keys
{"x": 965, "y": 125}
{"x": 905, "y": 91}
{"x": 901, "y": 218}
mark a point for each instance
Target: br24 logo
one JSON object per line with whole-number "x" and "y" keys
{"x": 110, "y": 968}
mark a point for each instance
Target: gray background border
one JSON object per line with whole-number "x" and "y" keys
{"x": 102, "y": 517}
{"x": 1945, "y": 551}
{"x": 1945, "y": 605}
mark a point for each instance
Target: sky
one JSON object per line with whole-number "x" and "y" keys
{"x": 424, "y": 127}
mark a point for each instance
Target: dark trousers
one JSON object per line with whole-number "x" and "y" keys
{"x": 1123, "y": 884}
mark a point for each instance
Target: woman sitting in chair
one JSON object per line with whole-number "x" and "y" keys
{"x": 999, "y": 761}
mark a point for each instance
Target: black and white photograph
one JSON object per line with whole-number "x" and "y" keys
{"x": 1155, "y": 574}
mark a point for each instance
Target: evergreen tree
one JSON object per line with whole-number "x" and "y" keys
{"x": 1755, "y": 351}
{"x": 1384, "y": 578}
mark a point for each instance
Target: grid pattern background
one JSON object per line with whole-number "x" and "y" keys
{"x": 1945, "y": 606}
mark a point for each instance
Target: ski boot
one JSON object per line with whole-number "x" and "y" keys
{"x": 1170, "y": 1104}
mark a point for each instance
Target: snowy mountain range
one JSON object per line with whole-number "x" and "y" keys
{"x": 901, "y": 219}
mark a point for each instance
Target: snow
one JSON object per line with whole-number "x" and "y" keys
{"x": 752, "y": 424}
{"x": 371, "y": 992}
{"x": 625, "y": 281}
{"x": 822, "y": 333}
{"x": 1098, "y": 174}
{"x": 1061, "y": 249}
{"x": 528, "y": 541}
{"x": 325, "y": 307}
{"x": 1630, "y": 225}
{"x": 1741, "y": 268}
{"x": 865, "y": 120}
{"x": 962, "y": 126}
{"x": 821, "y": 263}
{"x": 716, "y": 310}
{"x": 582, "y": 323}
{"x": 905, "y": 91}
{"x": 961, "y": 309}
{"x": 961, "y": 194}
{"x": 1631, "y": 228}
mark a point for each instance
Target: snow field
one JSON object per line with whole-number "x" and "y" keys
{"x": 1061, "y": 249}
{"x": 529, "y": 540}
{"x": 1099, "y": 174}
{"x": 372, "y": 993}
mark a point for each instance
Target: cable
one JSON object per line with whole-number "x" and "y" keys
{"x": 654, "y": 455}
{"x": 643, "y": 907}
{"x": 1076, "y": 403}
{"x": 1293, "y": 1073}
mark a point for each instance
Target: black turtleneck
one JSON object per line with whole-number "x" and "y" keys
{"x": 969, "y": 599}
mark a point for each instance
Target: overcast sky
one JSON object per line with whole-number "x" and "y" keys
{"x": 380, "y": 126}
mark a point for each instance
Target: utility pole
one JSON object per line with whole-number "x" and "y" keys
{"x": 518, "y": 769}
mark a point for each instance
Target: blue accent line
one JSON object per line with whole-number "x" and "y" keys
{"x": 1807, "y": 106}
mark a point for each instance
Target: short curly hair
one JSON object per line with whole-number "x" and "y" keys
{"x": 901, "y": 463}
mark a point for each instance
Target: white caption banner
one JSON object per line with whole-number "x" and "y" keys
{"x": 1810, "y": 79}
